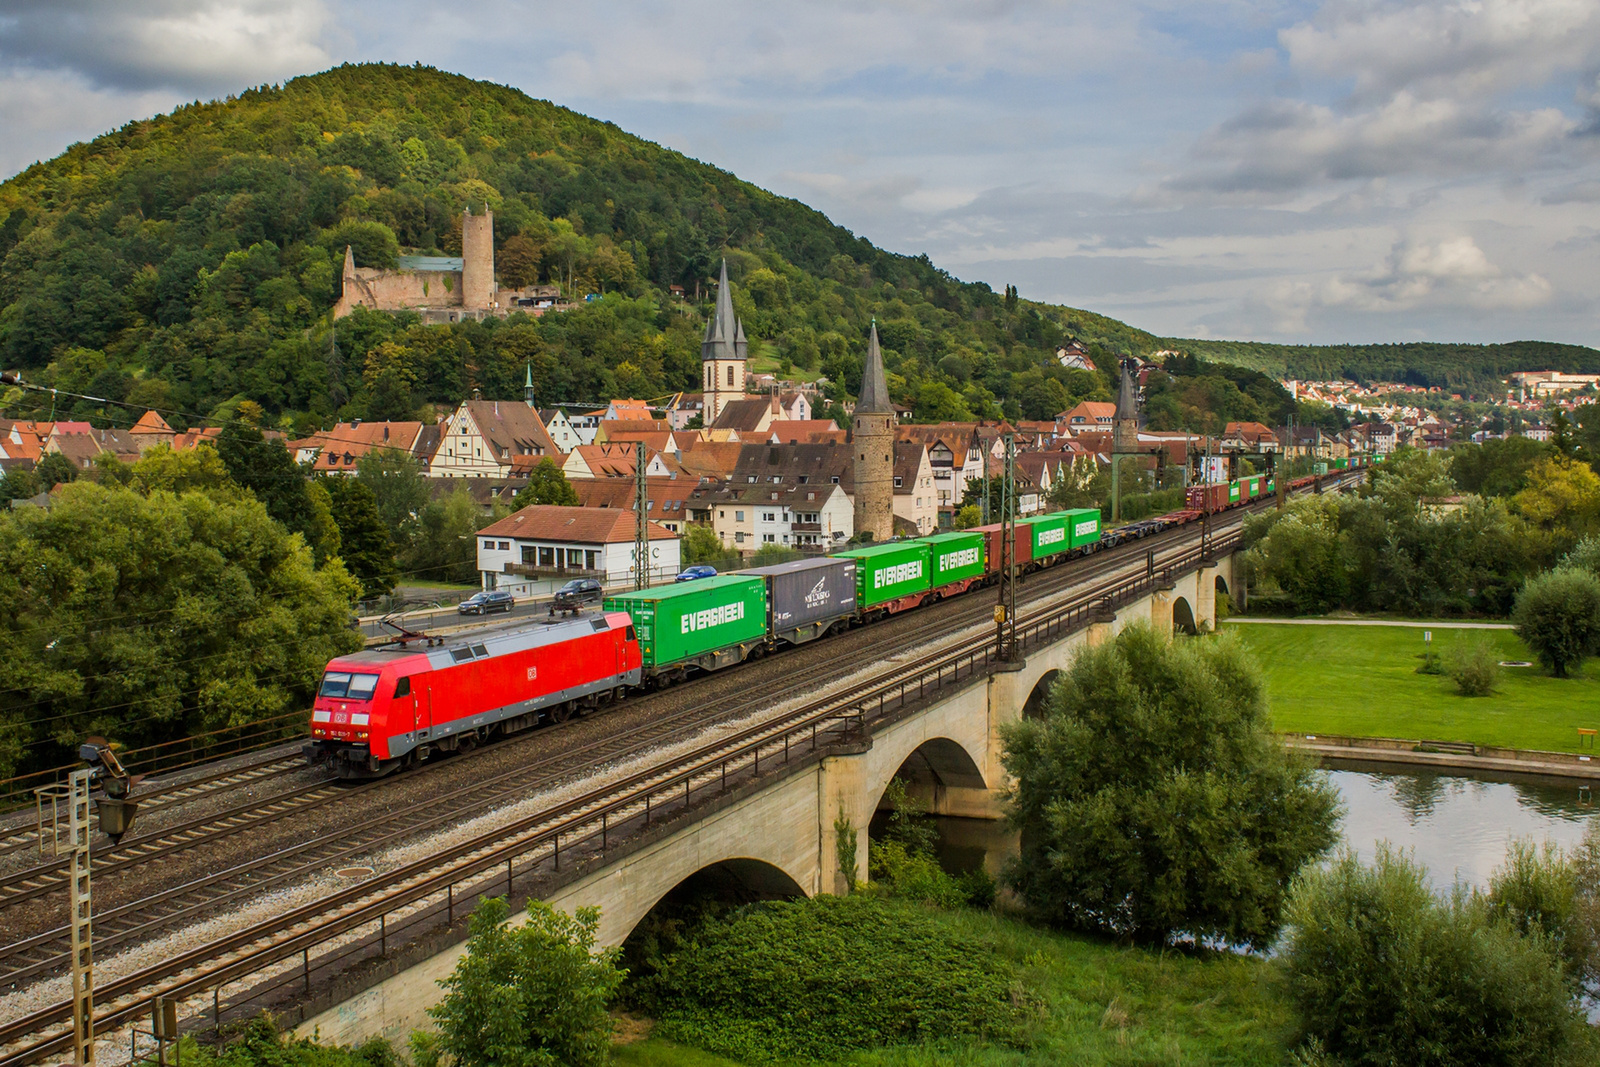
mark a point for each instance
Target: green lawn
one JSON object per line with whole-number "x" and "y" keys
{"x": 1095, "y": 1004}
{"x": 1362, "y": 681}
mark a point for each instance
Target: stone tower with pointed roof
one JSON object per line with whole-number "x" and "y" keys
{"x": 722, "y": 354}
{"x": 1125, "y": 427}
{"x": 872, "y": 441}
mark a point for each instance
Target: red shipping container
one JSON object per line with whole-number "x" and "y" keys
{"x": 991, "y": 546}
{"x": 1208, "y": 497}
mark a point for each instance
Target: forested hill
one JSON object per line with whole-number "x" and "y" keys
{"x": 1460, "y": 368}
{"x": 189, "y": 262}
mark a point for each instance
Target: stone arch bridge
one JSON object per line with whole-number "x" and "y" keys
{"x": 780, "y": 839}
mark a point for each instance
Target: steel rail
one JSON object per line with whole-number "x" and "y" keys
{"x": 810, "y": 722}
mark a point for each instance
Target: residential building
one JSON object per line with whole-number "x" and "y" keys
{"x": 561, "y": 430}
{"x": 491, "y": 439}
{"x": 1087, "y": 415}
{"x": 1074, "y": 356}
{"x": 337, "y": 451}
{"x": 547, "y": 541}
{"x": 666, "y": 501}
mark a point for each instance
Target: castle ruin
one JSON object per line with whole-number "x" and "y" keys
{"x": 444, "y": 288}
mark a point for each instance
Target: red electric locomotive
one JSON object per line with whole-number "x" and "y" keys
{"x": 382, "y": 709}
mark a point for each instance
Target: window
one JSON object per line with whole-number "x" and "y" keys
{"x": 738, "y": 516}
{"x": 402, "y": 688}
{"x": 739, "y": 537}
{"x": 344, "y": 685}
{"x": 528, "y": 554}
{"x": 835, "y": 479}
{"x": 766, "y": 516}
{"x": 488, "y": 544}
{"x": 768, "y": 538}
{"x": 897, "y": 483}
{"x": 574, "y": 557}
{"x": 722, "y": 514}
{"x": 730, "y": 374}
{"x": 505, "y": 546}
{"x": 547, "y": 557}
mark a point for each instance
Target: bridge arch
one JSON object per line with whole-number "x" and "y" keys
{"x": 1038, "y": 702}
{"x": 735, "y": 880}
{"x": 1183, "y": 617}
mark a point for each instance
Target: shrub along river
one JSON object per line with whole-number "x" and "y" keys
{"x": 1458, "y": 825}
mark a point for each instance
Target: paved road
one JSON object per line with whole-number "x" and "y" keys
{"x": 1380, "y": 622}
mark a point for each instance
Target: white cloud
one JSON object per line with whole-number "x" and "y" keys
{"x": 1446, "y": 273}
{"x": 41, "y": 113}
{"x": 1444, "y": 48}
{"x": 202, "y": 46}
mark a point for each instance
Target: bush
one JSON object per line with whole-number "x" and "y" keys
{"x": 1382, "y": 972}
{"x": 261, "y": 1045}
{"x": 1474, "y": 665}
{"x": 1154, "y": 800}
{"x": 825, "y": 977}
{"x": 533, "y": 995}
{"x": 1556, "y": 894}
{"x": 1558, "y": 616}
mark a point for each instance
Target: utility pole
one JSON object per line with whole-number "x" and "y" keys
{"x": 82, "y": 938}
{"x": 1005, "y": 612}
{"x": 641, "y": 529}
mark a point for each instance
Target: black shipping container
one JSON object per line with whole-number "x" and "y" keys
{"x": 807, "y": 596}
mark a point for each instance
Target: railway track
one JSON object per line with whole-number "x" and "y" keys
{"x": 278, "y": 761}
{"x": 46, "y": 952}
{"x": 425, "y": 890}
{"x": 220, "y": 961}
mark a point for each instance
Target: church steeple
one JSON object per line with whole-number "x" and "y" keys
{"x": 874, "y": 385}
{"x": 872, "y": 447}
{"x": 527, "y": 386}
{"x": 1125, "y": 426}
{"x": 723, "y": 353}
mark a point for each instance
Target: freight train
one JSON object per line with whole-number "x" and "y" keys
{"x": 385, "y": 708}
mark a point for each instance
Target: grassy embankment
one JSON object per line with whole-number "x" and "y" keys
{"x": 1362, "y": 681}
{"x": 1096, "y": 1003}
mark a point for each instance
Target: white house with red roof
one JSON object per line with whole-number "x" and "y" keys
{"x": 525, "y": 550}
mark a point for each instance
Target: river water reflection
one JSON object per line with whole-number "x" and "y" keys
{"x": 1457, "y": 825}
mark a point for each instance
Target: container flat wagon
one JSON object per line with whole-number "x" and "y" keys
{"x": 706, "y": 624}
{"x": 891, "y": 577}
{"x": 808, "y": 598}
{"x": 958, "y": 562}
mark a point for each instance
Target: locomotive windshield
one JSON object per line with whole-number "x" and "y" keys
{"x": 348, "y": 686}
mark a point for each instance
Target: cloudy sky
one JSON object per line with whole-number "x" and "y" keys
{"x": 1347, "y": 170}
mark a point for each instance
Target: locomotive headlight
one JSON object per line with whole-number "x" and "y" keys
{"x": 361, "y": 735}
{"x": 318, "y": 732}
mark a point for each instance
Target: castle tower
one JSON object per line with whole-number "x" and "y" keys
{"x": 722, "y": 354}
{"x": 872, "y": 439}
{"x": 1125, "y": 426}
{"x": 477, "y": 259}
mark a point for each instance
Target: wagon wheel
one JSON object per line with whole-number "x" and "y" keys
{"x": 467, "y": 741}
{"x": 561, "y": 712}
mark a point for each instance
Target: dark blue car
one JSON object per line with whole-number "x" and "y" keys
{"x": 699, "y": 570}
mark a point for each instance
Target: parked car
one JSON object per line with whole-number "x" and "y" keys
{"x": 699, "y": 570}
{"x": 485, "y": 602}
{"x": 575, "y": 594}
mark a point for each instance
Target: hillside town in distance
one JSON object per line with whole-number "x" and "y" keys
{"x": 747, "y": 459}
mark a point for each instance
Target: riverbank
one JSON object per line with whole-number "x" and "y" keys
{"x": 1392, "y": 752}
{"x": 1361, "y": 681}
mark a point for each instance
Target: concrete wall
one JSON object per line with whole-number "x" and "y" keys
{"x": 788, "y": 828}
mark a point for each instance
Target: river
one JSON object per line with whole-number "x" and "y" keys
{"x": 1457, "y": 825}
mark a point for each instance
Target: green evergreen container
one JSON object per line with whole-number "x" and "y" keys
{"x": 956, "y": 556}
{"x": 1083, "y": 526}
{"x": 886, "y": 571}
{"x": 1048, "y": 534}
{"x": 683, "y": 621}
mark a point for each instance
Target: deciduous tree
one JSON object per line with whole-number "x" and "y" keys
{"x": 547, "y": 484}
{"x": 1557, "y": 615}
{"x": 364, "y": 543}
{"x": 1155, "y": 802}
{"x": 530, "y": 995}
